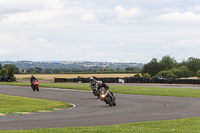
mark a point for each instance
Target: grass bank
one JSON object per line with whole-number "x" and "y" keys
{"x": 135, "y": 90}
{"x": 186, "y": 125}
{"x": 10, "y": 104}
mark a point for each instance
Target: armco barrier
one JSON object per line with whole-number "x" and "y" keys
{"x": 132, "y": 80}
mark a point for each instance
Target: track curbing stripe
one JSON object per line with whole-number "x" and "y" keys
{"x": 1, "y": 114}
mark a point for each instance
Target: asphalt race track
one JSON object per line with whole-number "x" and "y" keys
{"x": 90, "y": 111}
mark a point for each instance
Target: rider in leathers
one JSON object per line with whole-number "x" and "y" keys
{"x": 93, "y": 81}
{"x": 93, "y": 84}
{"x": 102, "y": 84}
{"x": 32, "y": 79}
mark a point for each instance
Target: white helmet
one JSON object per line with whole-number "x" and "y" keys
{"x": 99, "y": 82}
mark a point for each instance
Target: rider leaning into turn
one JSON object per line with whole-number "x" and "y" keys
{"x": 93, "y": 81}
{"x": 102, "y": 84}
{"x": 32, "y": 79}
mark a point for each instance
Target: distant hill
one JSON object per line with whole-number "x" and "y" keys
{"x": 71, "y": 64}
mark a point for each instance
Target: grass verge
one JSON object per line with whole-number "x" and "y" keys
{"x": 10, "y": 104}
{"x": 186, "y": 125}
{"x": 135, "y": 90}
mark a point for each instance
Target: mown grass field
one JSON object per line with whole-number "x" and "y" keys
{"x": 134, "y": 90}
{"x": 186, "y": 125}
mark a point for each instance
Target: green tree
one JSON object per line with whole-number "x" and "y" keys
{"x": 11, "y": 67}
{"x": 152, "y": 67}
{"x": 146, "y": 75}
{"x": 182, "y": 71}
{"x": 11, "y": 71}
{"x": 0, "y": 66}
{"x": 48, "y": 70}
{"x": 95, "y": 70}
{"x": 130, "y": 69}
{"x": 137, "y": 75}
{"x": 4, "y": 72}
{"x": 166, "y": 74}
{"x": 193, "y": 64}
{"x": 167, "y": 63}
{"x": 34, "y": 70}
{"x": 198, "y": 74}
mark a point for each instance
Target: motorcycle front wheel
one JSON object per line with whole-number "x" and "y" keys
{"x": 33, "y": 88}
{"x": 37, "y": 88}
{"x": 114, "y": 102}
{"x": 109, "y": 101}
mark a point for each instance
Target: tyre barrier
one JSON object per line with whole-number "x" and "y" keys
{"x": 1, "y": 78}
{"x": 7, "y": 79}
{"x": 132, "y": 80}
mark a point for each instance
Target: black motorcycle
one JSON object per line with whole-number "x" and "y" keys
{"x": 107, "y": 96}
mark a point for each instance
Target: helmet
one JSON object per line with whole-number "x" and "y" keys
{"x": 99, "y": 82}
{"x": 92, "y": 79}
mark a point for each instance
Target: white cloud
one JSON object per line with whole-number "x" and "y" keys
{"x": 59, "y": 29}
{"x": 179, "y": 17}
{"x": 18, "y": 47}
{"x": 89, "y": 17}
{"x": 12, "y": 40}
{"x": 11, "y": 6}
{"x": 127, "y": 13}
{"x": 43, "y": 44}
{"x": 30, "y": 18}
{"x": 188, "y": 44}
{"x": 180, "y": 50}
{"x": 195, "y": 8}
{"x": 3, "y": 52}
{"x": 75, "y": 3}
{"x": 55, "y": 4}
{"x": 41, "y": 40}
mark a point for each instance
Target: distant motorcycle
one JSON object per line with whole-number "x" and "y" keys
{"x": 35, "y": 85}
{"x": 105, "y": 95}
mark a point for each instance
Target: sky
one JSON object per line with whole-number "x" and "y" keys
{"x": 99, "y": 30}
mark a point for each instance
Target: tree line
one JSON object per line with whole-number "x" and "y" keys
{"x": 77, "y": 70}
{"x": 11, "y": 69}
{"x": 8, "y": 70}
{"x": 168, "y": 67}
